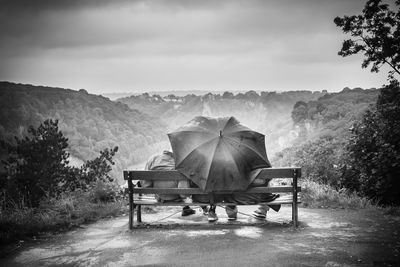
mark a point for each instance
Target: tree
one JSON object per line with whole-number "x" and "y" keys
{"x": 99, "y": 168}
{"x": 228, "y": 95}
{"x": 37, "y": 164}
{"x": 376, "y": 33}
{"x": 375, "y": 148}
{"x": 300, "y": 112}
{"x": 37, "y": 167}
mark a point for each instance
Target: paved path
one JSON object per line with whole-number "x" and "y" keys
{"x": 325, "y": 238}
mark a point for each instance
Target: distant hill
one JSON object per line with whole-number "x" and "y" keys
{"x": 268, "y": 112}
{"x": 333, "y": 113}
{"x": 90, "y": 122}
{"x": 324, "y": 128}
{"x": 114, "y": 96}
{"x": 138, "y": 124}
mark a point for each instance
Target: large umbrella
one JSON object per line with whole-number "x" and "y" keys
{"x": 218, "y": 153}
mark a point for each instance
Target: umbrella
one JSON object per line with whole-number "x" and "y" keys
{"x": 218, "y": 153}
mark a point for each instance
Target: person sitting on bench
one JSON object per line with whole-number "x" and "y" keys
{"x": 243, "y": 199}
{"x": 261, "y": 212}
{"x": 165, "y": 161}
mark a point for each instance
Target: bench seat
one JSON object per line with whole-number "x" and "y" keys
{"x": 149, "y": 200}
{"x": 139, "y": 196}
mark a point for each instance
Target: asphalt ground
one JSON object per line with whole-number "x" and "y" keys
{"x": 325, "y": 237}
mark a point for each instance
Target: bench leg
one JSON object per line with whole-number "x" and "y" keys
{"x": 294, "y": 214}
{"x": 131, "y": 215}
{"x": 139, "y": 213}
{"x": 131, "y": 204}
{"x": 294, "y": 203}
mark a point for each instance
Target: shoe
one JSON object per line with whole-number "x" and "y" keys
{"x": 232, "y": 217}
{"x": 232, "y": 213}
{"x": 187, "y": 212}
{"x": 259, "y": 215}
{"x": 205, "y": 210}
{"x": 212, "y": 217}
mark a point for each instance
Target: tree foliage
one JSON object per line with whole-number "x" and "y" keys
{"x": 99, "y": 168}
{"x": 321, "y": 160}
{"x": 37, "y": 163}
{"x": 37, "y": 167}
{"x": 376, "y": 33}
{"x": 91, "y": 123}
{"x": 375, "y": 148}
{"x": 300, "y": 112}
{"x": 322, "y": 128}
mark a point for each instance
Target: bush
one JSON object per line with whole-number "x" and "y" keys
{"x": 37, "y": 164}
{"x": 375, "y": 149}
{"x": 37, "y": 168}
{"x": 55, "y": 214}
{"x": 317, "y": 195}
{"x": 104, "y": 192}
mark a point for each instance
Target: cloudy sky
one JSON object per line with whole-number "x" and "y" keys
{"x": 137, "y": 46}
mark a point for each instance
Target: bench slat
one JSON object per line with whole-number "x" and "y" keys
{"x": 267, "y": 173}
{"x": 285, "y": 199}
{"x": 156, "y": 175}
{"x": 271, "y": 173}
{"x": 197, "y": 191}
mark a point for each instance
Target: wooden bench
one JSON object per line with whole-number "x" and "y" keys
{"x": 289, "y": 193}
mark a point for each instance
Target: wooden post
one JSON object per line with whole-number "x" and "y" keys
{"x": 294, "y": 204}
{"x": 139, "y": 207}
{"x": 131, "y": 204}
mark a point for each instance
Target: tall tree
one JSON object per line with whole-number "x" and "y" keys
{"x": 376, "y": 33}
{"x": 375, "y": 149}
{"x": 37, "y": 164}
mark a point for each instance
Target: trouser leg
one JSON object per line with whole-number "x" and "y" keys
{"x": 231, "y": 211}
{"x": 263, "y": 209}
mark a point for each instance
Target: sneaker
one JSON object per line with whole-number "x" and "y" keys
{"x": 259, "y": 215}
{"x": 232, "y": 217}
{"x": 187, "y": 212}
{"x": 232, "y": 213}
{"x": 205, "y": 210}
{"x": 212, "y": 217}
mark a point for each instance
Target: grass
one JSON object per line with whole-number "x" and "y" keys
{"x": 53, "y": 215}
{"x": 316, "y": 195}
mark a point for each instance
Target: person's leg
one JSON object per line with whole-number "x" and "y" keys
{"x": 212, "y": 216}
{"x": 202, "y": 199}
{"x": 205, "y": 210}
{"x": 261, "y": 212}
{"x": 231, "y": 211}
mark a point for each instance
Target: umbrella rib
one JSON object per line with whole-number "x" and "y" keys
{"x": 213, "y": 156}
{"x": 243, "y": 131}
{"x": 226, "y": 123}
{"x": 194, "y": 131}
{"x": 193, "y": 151}
{"x": 233, "y": 140}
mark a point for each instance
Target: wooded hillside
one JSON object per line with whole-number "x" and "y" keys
{"x": 90, "y": 122}
{"x": 268, "y": 113}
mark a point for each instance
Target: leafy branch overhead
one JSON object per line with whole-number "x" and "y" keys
{"x": 375, "y": 33}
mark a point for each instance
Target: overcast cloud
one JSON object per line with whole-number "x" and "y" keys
{"x": 136, "y": 46}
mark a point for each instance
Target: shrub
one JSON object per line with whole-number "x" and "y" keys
{"x": 37, "y": 169}
{"x": 55, "y": 214}
{"x": 317, "y": 195}
{"x": 375, "y": 149}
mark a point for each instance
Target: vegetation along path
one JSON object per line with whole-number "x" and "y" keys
{"x": 326, "y": 237}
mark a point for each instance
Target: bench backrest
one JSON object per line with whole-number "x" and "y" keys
{"x": 173, "y": 175}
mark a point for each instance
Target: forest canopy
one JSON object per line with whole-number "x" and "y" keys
{"x": 90, "y": 122}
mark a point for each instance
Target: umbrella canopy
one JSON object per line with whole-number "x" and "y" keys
{"x": 218, "y": 153}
